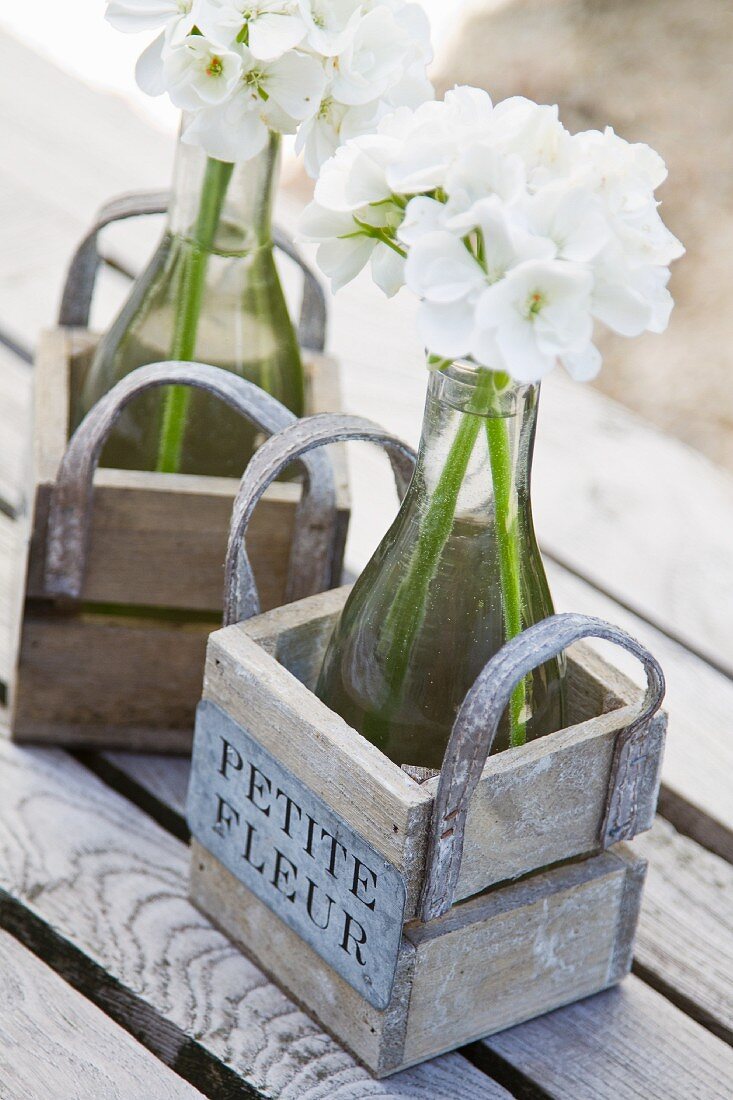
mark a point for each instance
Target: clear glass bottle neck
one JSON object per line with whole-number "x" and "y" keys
{"x": 246, "y": 191}
{"x": 479, "y": 410}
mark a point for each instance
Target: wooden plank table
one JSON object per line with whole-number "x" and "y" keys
{"x": 114, "y": 985}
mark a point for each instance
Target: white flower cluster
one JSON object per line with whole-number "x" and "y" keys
{"x": 515, "y": 235}
{"x": 327, "y": 70}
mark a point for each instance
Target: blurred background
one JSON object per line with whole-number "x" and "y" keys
{"x": 659, "y": 71}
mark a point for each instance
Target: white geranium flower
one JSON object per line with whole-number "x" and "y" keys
{"x": 269, "y": 96}
{"x": 631, "y": 300}
{"x": 269, "y": 28}
{"x": 177, "y": 17}
{"x": 480, "y": 171}
{"x": 373, "y": 60}
{"x": 330, "y": 24}
{"x": 515, "y": 236}
{"x": 571, "y": 217}
{"x": 423, "y": 215}
{"x": 345, "y": 251}
{"x": 442, "y": 272}
{"x": 645, "y": 238}
{"x": 539, "y": 311}
{"x": 355, "y": 177}
{"x": 434, "y": 136}
{"x": 622, "y": 174}
{"x": 535, "y": 133}
{"x": 320, "y": 136}
{"x": 199, "y": 74}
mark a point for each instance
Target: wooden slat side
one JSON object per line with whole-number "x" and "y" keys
{"x": 360, "y": 784}
{"x": 685, "y": 941}
{"x": 15, "y": 419}
{"x": 113, "y": 885}
{"x": 51, "y": 404}
{"x": 55, "y": 1043}
{"x": 89, "y": 680}
{"x": 164, "y": 546}
{"x": 624, "y": 1044}
{"x": 517, "y": 952}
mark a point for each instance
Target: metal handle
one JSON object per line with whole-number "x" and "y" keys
{"x": 475, "y": 729}
{"x": 70, "y": 510}
{"x": 241, "y": 600}
{"x": 78, "y": 291}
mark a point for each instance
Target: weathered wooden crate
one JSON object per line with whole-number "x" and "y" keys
{"x": 410, "y": 917}
{"x": 112, "y": 653}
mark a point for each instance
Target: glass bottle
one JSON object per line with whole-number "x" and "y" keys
{"x": 458, "y": 573}
{"x": 211, "y": 293}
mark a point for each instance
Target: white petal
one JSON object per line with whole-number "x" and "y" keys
{"x": 316, "y": 223}
{"x": 422, "y": 216}
{"x": 149, "y": 71}
{"x": 623, "y": 310}
{"x": 272, "y": 35}
{"x": 523, "y": 359}
{"x": 296, "y": 83}
{"x": 343, "y": 260}
{"x": 583, "y": 365}
{"x": 388, "y": 269}
{"x": 439, "y": 267}
{"x": 230, "y": 132}
{"x": 446, "y": 330}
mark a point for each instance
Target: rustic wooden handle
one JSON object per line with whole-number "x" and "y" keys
{"x": 313, "y": 543}
{"x": 70, "y": 510}
{"x": 475, "y": 729}
{"x": 76, "y": 300}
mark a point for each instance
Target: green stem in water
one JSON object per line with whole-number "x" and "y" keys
{"x": 507, "y": 537}
{"x": 188, "y": 310}
{"x": 408, "y": 609}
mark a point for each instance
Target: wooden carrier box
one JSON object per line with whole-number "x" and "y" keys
{"x": 411, "y": 918}
{"x": 111, "y": 653}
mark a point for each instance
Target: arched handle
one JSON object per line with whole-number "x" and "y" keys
{"x": 70, "y": 510}
{"x": 475, "y": 729}
{"x": 78, "y": 291}
{"x": 241, "y": 600}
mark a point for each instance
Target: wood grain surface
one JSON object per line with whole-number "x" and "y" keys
{"x": 628, "y": 1042}
{"x": 685, "y": 940}
{"x": 110, "y": 889}
{"x": 54, "y": 1043}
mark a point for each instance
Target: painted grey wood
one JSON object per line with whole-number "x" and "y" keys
{"x": 15, "y": 408}
{"x": 293, "y": 443}
{"x": 72, "y": 499}
{"x": 685, "y": 939}
{"x": 628, "y": 1043}
{"x": 76, "y": 299}
{"x": 475, "y": 729}
{"x": 54, "y": 1043}
{"x": 112, "y": 885}
{"x": 299, "y": 857}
